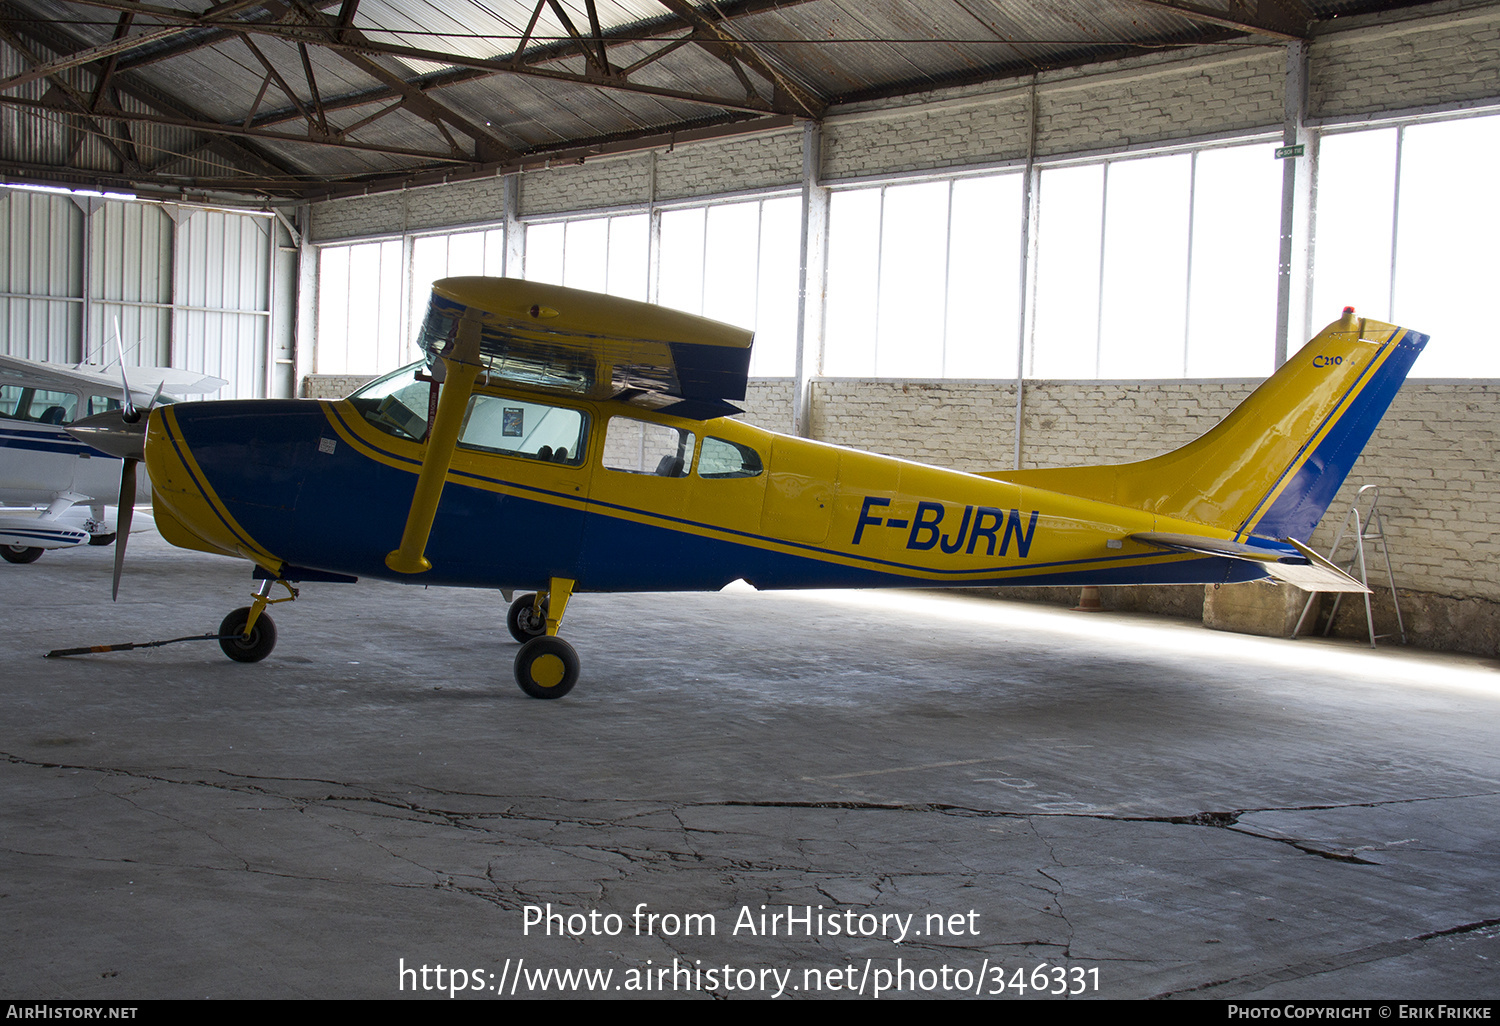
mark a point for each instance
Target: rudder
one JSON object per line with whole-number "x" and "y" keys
{"x": 1273, "y": 465}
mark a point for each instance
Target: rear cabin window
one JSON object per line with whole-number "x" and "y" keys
{"x": 641, "y": 447}
{"x": 513, "y": 427}
{"x": 720, "y": 458}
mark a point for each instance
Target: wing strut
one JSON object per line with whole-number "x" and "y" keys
{"x": 462, "y": 362}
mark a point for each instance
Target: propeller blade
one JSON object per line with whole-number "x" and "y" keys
{"x": 124, "y": 515}
{"x": 130, "y": 415}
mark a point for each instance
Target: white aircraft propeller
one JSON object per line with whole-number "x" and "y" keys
{"x": 120, "y": 433}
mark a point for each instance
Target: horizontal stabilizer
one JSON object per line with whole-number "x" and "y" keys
{"x": 1205, "y": 545}
{"x": 1311, "y": 577}
{"x": 1298, "y": 566}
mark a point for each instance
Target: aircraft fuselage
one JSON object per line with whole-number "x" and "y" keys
{"x": 640, "y": 501}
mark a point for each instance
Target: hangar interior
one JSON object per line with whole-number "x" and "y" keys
{"x": 985, "y": 235}
{"x": 1016, "y": 235}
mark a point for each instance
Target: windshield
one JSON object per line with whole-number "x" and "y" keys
{"x": 396, "y": 403}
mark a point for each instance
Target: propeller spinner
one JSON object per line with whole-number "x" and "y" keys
{"x": 120, "y": 433}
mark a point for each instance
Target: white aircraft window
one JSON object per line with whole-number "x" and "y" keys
{"x": 641, "y": 447}
{"x": 103, "y": 404}
{"x": 513, "y": 427}
{"x": 396, "y": 403}
{"x": 720, "y": 458}
{"x": 38, "y": 405}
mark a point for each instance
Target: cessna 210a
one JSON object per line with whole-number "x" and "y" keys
{"x": 53, "y": 488}
{"x": 564, "y": 441}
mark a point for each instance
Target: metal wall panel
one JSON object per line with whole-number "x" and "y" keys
{"x": 41, "y": 275}
{"x": 130, "y": 282}
{"x": 223, "y": 298}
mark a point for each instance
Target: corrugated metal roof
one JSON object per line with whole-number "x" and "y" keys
{"x": 283, "y": 100}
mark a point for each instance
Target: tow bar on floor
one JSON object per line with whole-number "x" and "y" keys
{"x": 127, "y": 646}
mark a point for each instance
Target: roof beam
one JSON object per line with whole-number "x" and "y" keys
{"x": 713, "y": 37}
{"x": 1280, "y": 19}
{"x": 216, "y": 128}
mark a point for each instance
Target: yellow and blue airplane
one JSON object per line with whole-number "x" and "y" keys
{"x": 557, "y": 441}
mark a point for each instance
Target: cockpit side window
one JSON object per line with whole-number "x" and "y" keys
{"x": 721, "y": 458}
{"x": 514, "y": 427}
{"x": 38, "y": 405}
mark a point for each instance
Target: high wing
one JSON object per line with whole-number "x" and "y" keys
{"x": 548, "y": 338}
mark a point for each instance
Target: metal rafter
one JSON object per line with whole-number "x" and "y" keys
{"x": 771, "y": 92}
{"x": 354, "y": 42}
{"x": 78, "y": 104}
{"x": 217, "y": 128}
{"x": 59, "y": 42}
{"x": 1280, "y": 19}
{"x": 710, "y": 34}
{"x": 487, "y": 144}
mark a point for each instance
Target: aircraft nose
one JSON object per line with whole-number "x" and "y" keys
{"x": 111, "y": 432}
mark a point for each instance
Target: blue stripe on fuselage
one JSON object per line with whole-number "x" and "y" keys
{"x": 342, "y": 511}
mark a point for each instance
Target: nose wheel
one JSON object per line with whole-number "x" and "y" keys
{"x": 247, "y": 635}
{"x": 247, "y": 646}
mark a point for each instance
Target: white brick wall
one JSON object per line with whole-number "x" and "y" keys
{"x": 766, "y": 161}
{"x": 1405, "y": 60}
{"x": 333, "y": 386}
{"x": 607, "y": 182}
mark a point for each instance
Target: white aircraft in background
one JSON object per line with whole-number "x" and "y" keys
{"x": 53, "y": 488}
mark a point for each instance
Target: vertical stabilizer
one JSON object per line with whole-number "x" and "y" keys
{"x": 1275, "y": 463}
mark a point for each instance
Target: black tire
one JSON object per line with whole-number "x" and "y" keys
{"x": 240, "y": 648}
{"x": 102, "y": 539}
{"x": 546, "y": 667}
{"x": 20, "y": 553}
{"x": 522, "y": 621}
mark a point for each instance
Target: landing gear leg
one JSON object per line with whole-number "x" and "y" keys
{"x": 546, "y": 666}
{"x": 248, "y": 635}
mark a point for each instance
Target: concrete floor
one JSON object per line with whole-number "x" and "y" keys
{"x": 1189, "y": 813}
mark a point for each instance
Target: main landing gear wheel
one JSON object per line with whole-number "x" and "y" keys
{"x": 240, "y": 648}
{"x": 102, "y": 539}
{"x": 20, "y": 553}
{"x": 522, "y": 620}
{"x": 546, "y": 667}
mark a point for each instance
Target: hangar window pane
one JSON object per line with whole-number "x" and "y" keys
{"x": 1065, "y": 334}
{"x": 1155, "y": 267}
{"x": 1236, "y": 243}
{"x": 1446, "y": 258}
{"x": 924, "y": 279}
{"x": 1356, "y": 197}
{"x": 359, "y": 327}
{"x": 1143, "y": 290}
{"x": 434, "y": 257}
{"x": 598, "y": 254}
{"x": 1406, "y": 220}
{"x": 853, "y": 283}
{"x": 984, "y": 278}
{"x": 737, "y": 263}
{"x": 544, "y": 253}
